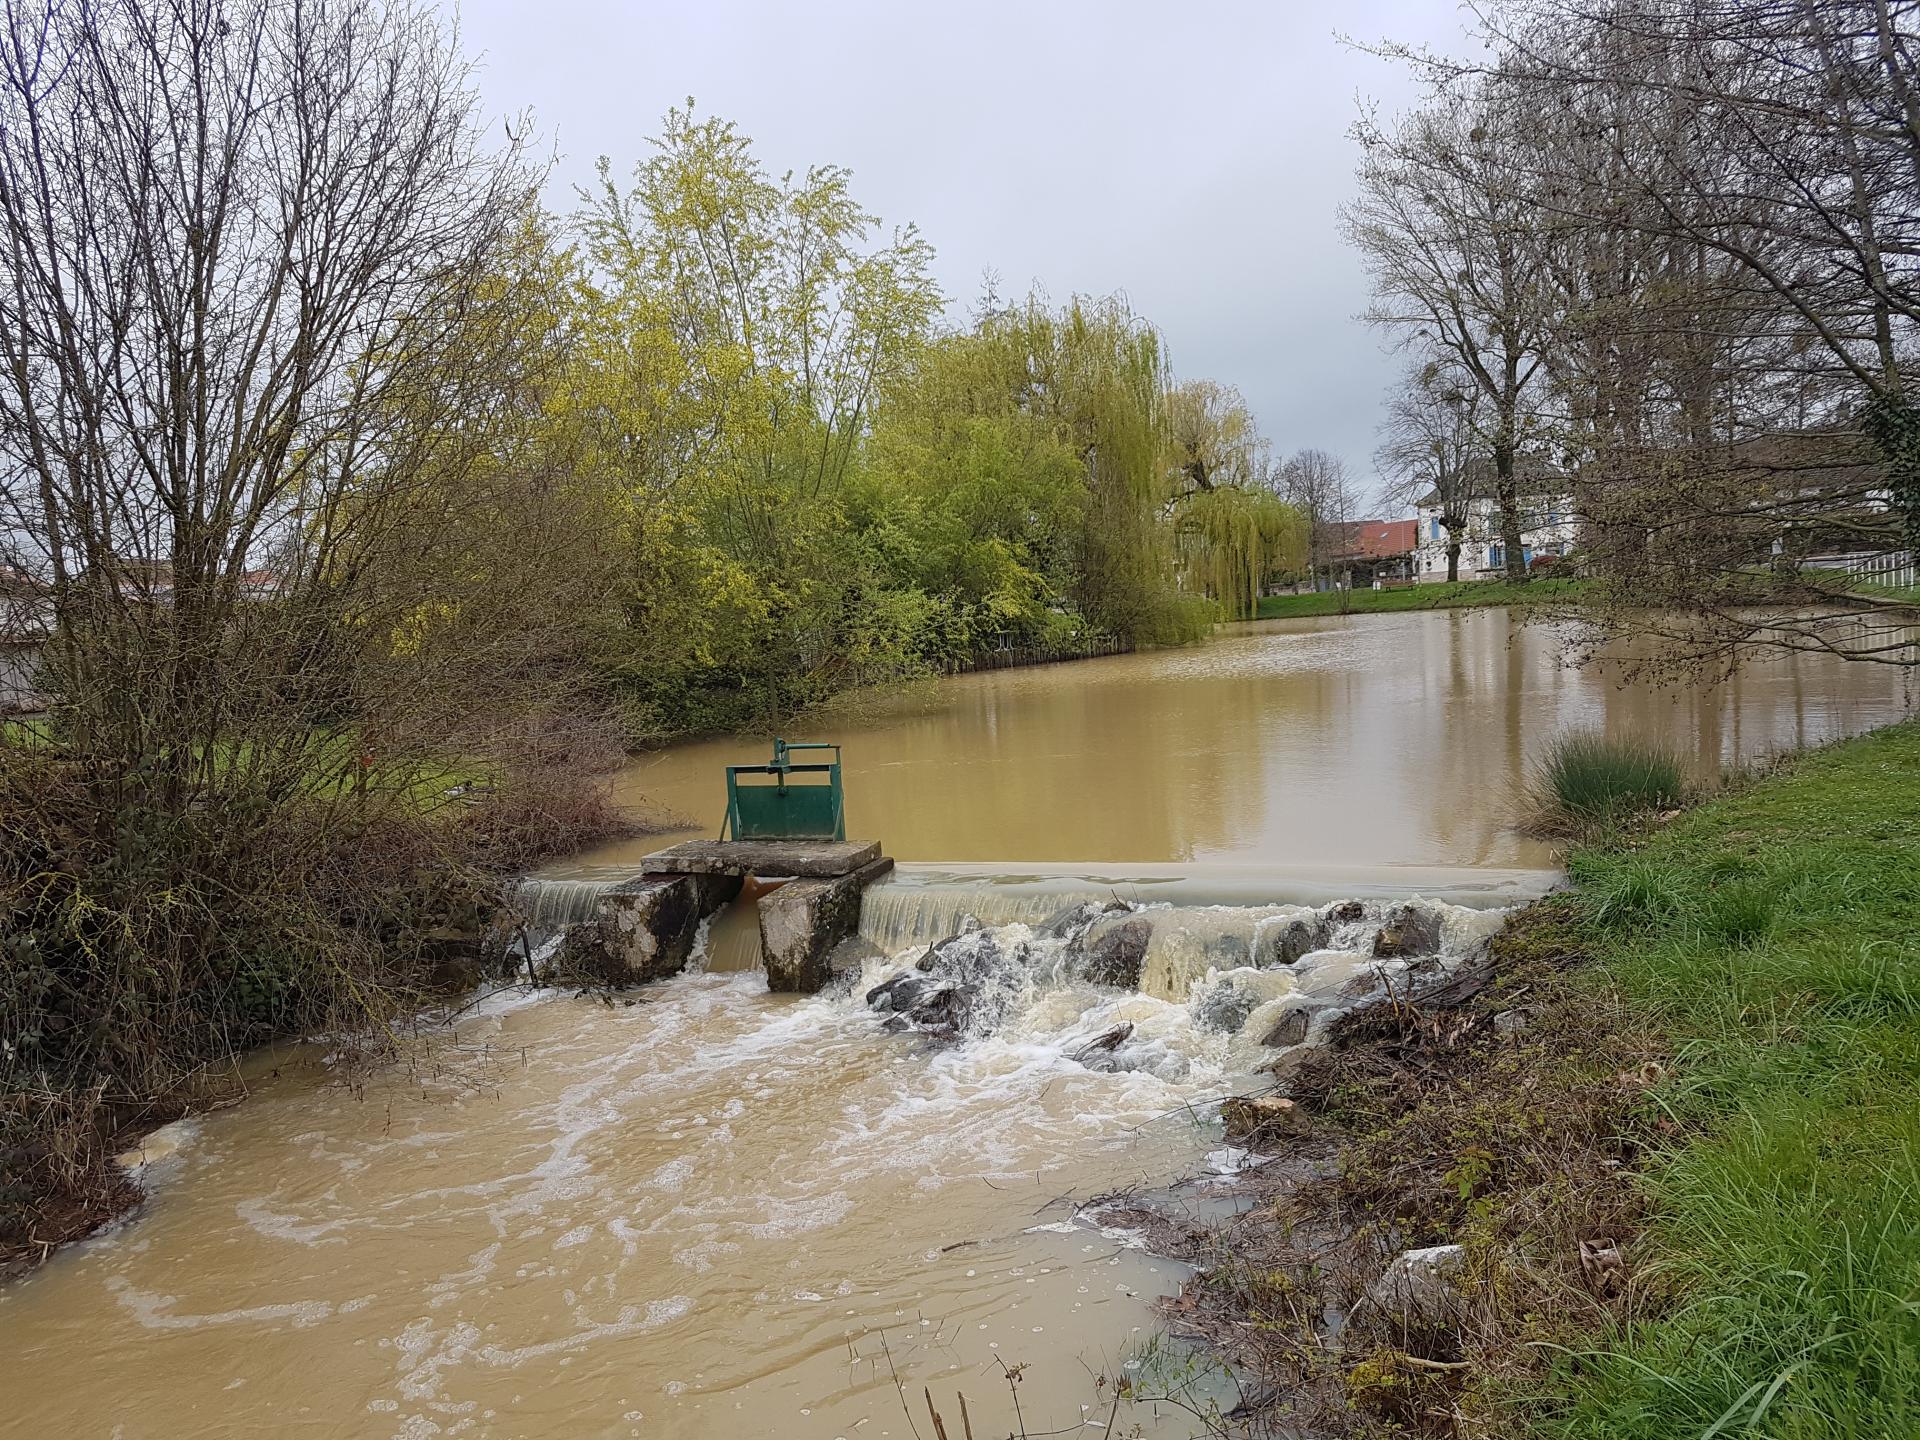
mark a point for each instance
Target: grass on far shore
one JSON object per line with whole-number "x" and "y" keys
{"x": 1437, "y": 596}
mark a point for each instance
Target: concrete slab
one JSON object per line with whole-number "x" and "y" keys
{"x": 803, "y": 921}
{"x": 811, "y": 859}
{"x": 645, "y": 929}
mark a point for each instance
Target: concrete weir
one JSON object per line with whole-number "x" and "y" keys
{"x": 645, "y": 929}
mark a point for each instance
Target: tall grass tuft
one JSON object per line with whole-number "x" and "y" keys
{"x": 1588, "y": 779}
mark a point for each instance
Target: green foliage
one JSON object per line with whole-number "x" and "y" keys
{"x": 1233, "y": 539}
{"x": 817, "y": 490}
{"x": 1892, "y": 422}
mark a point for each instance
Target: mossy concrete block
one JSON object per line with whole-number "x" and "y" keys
{"x": 645, "y": 929}
{"x": 803, "y": 921}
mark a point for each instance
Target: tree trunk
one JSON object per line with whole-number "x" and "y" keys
{"x": 1507, "y": 492}
{"x": 1453, "y": 561}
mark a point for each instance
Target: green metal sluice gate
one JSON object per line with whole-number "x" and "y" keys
{"x": 774, "y": 807}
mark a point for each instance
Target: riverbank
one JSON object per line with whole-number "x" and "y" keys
{"x": 127, "y": 1003}
{"x": 1674, "y": 1139}
{"x": 1463, "y": 594}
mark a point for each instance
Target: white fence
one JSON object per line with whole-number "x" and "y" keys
{"x": 1892, "y": 568}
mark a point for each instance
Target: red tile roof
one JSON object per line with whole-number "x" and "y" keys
{"x": 1378, "y": 539}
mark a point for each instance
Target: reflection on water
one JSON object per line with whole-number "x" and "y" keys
{"x": 1367, "y": 740}
{"x": 718, "y": 1213}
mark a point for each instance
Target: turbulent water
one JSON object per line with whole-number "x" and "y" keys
{"x": 709, "y": 1213}
{"x": 712, "y": 1212}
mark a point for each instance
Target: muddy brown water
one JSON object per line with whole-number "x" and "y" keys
{"x": 719, "y": 1213}
{"x": 1364, "y": 741}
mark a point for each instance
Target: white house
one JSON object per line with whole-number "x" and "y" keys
{"x": 26, "y": 619}
{"x": 1548, "y": 526}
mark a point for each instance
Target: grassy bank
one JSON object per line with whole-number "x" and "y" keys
{"x": 144, "y": 949}
{"x": 1774, "y": 937}
{"x": 1676, "y": 1135}
{"x": 1462, "y": 594}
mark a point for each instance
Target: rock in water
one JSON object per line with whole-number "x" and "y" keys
{"x": 1074, "y": 920}
{"x": 1284, "y": 944}
{"x": 1289, "y": 1029}
{"x": 968, "y": 957}
{"x": 1224, "y": 1006}
{"x": 897, "y": 994}
{"x": 1116, "y": 953}
{"x": 1409, "y": 930}
{"x": 968, "y": 983}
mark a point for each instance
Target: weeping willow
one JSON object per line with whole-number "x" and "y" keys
{"x": 1230, "y": 539}
{"x": 1098, "y": 374}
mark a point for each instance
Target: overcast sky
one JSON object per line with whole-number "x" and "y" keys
{"x": 1190, "y": 154}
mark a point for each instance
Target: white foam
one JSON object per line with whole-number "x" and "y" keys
{"x": 153, "y": 1311}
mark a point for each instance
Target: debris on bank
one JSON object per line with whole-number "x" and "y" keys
{"x": 1447, "y": 1178}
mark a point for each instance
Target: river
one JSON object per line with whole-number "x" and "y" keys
{"x": 712, "y": 1212}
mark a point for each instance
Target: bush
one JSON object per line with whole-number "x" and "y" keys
{"x": 144, "y": 947}
{"x": 1588, "y": 779}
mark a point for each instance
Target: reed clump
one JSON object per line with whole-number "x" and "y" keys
{"x": 1588, "y": 780}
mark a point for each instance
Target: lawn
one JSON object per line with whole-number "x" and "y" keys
{"x": 1423, "y": 597}
{"x": 428, "y": 781}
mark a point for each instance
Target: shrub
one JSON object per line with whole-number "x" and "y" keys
{"x": 1588, "y": 779}
{"x": 143, "y": 949}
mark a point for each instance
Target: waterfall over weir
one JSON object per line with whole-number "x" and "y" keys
{"x": 545, "y": 904}
{"x": 920, "y": 904}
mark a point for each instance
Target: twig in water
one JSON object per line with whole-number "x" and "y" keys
{"x": 899, "y": 1389}
{"x": 939, "y": 1425}
{"x": 1013, "y": 1375}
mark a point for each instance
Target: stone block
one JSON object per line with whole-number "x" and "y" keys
{"x": 645, "y": 929}
{"x": 804, "y": 920}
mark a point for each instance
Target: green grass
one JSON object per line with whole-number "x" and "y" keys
{"x": 23, "y": 730}
{"x": 1774, "y": 935}
{"x": 1588, "y": 778}
{"x": 1464, "y": 593}
{"x": 329, "y": 758}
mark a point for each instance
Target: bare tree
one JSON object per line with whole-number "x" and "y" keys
{"x": 276, "y": 324}
{"x": 1458, "y": 256}
{"x": 259, "y": 326}
{"x": 1734, "y": 191}
{"x": 1430, "y": 447}
{"x": 1322, "y": 487}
